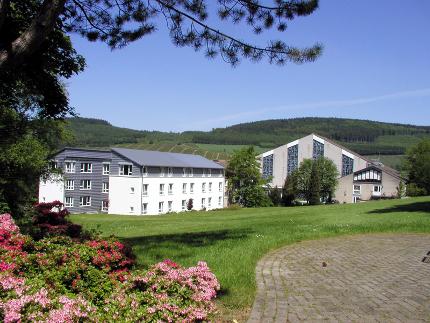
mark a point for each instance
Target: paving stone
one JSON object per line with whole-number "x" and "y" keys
{"x": 368, "y": 278}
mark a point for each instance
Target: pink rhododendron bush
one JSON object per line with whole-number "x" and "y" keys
{"x": 57, "y": 279}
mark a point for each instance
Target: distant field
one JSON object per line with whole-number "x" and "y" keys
{"x": 232, "y": 241}
{"x": 393, "y": 161}
{"x": 228, "y": 149}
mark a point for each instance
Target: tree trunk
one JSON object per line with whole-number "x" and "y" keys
{"x": 30, "y": 40}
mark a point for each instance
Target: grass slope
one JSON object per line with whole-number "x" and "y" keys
{"x": 233, "y": 241}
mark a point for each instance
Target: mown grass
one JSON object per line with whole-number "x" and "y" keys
{"x": 232, "y": 242}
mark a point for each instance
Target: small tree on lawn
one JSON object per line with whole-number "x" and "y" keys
{"x": 245, "y": 184}
{"x": 190, "y": 204}
{"x": 312, "y": 176}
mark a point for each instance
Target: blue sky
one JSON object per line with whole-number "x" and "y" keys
{"x": 375, "y": 65}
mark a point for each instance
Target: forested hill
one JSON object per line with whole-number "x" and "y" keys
{"x": 365, "y": 137}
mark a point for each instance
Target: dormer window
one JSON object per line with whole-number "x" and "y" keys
{"x": 145, "y": 171}
{"x": 126, "y": 170}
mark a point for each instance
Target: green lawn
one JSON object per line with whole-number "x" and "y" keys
{"x": 233, "y": 241}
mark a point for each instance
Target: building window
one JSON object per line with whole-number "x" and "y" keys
{"x": 144, "y": 208}
{"x": 169, "y": 206}
{"x": 85, "y": 184}
{"x": 184, "y": 172}
{"x": 169, "y": 171}
{"x": 184, "y": 188}
{"x": 268, "y": 166}
{"x": 191, "y": 188}
{"x": 131, "y": 190}
{"x": 292, "y": 159}
{"x": 318, "y": 149}
{"x": 126, "y": 170}
{"x": 162, "y": 171}
{"x": 86, "y": 168}
{"x": 203, "y": 187}
{"x": 85, "y": 201}
{"x": 105, "y": 205}
{"x": 220, "y": 186}
{"x": 105, "y": 188}
{"x": 357, "y": 189}
{"x": 70, "y": 185}
{"x": 190, "y": 172}
{"x": 203, "y": 203}
{"x": 210, "y": 187}
{"x": 106, "y": 169}
{"x": 145, "y": 171}
{"x": 184, "y": 204}
{"x": 377, "y": 188}
{"x": 209, "y": 201}
{"x": 70, "y": 167}
{"x": 160, "y": 207}
{"x": 69, "y": 201}
{"x": 131, "y": 209}
{"x": 203, "y": 172}
{"x": 170, "y": 189}
{"x": 219, "y": 201}
{"x": 161, "y": 189}
{"x": 209, "y": 172}
{"x": 145, "y": 189}
{"x": 347, "y": 165}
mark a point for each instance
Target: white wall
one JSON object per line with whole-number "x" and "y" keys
{"x": 121, "y": 198}
{"x": 52, "y": 189}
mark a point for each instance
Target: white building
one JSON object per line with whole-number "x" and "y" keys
{"x": 129, "y": 181}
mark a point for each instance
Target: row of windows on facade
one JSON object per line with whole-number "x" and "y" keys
{"x": 377, "y": 189}
{"x": 127, "y": 170}
{"x": 86, "y": 184}
{"x": 293, "y": 160}
{"x": 86, "y": 201}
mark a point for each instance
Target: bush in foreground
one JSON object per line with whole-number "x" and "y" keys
{"x": 57, "y": 279}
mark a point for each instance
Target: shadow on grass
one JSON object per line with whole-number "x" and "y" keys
{"x": 413, "y": 207}
{"x": 180, "y": 246}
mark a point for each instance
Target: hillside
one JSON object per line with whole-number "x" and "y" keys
{"x": 362, "y": 136}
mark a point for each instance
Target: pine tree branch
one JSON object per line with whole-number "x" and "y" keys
{"x": 218, "y": 32}
{"x": 30, "y": 40}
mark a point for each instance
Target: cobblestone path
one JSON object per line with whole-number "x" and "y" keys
{"x": 362, "y": 278}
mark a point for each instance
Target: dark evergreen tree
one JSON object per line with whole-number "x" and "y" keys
{"x": 418, "y": 168}
{"x": 190, "y": 204}
{"x": 288, "y": 193}
{"x": 315, "y": 185}
{"x": 275, "y": 196}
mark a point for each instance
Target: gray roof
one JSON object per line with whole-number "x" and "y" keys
{"x": 158, "y": 158}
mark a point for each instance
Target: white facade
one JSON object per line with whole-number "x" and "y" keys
{"x": 51, "y": 189}
{"x": 135, "y": 182}
{"x": 143, "y": 195}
